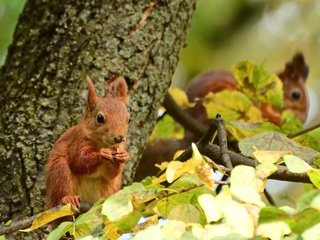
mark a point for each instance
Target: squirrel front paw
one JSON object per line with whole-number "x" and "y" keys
{"x": 106, "y": 153}
{"x": 73, "y": 200}
{"x": 121, "y": 157}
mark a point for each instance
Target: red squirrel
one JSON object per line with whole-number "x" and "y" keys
{"x": 87, "y": 161}
{"x": 295, "y": 98}
{"x": 293, "y": 78}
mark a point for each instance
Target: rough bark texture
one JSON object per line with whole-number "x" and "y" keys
{"x": 57, "y": 43}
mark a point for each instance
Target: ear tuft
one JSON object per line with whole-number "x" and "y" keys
{"x": 116, "y": 87}
{"x": 92, "y": 96}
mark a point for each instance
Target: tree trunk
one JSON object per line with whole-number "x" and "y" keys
{"x": 57, "y": 43}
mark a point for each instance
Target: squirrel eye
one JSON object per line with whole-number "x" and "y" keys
{"x": 295, "y": 95}
{"x": 100, "y": 118}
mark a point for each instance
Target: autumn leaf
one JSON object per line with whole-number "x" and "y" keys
{"x": 49, "y": 216}
{"x": 267, "y": 156}
{"x": 243, "y": 185}
{"x": 275, "y": 141}
{"x": 258, "y": 84}
{"x": 181, "y": 97}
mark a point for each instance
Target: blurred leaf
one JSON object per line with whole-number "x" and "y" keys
{"x": 232, "y": 105}
{"x": 152, "y": 220}
{"x": 309, "y": 199}
{"x": 173, "y": 229}
{"x": 211, "y": 206}
{"x": 263, "y": 171}
{"x": 117, "y": 206}
{"x": 167, "y": 128}
{"x": 131, "y": 220}
{"x": 304, "y": 220}
{"x": 290, "y": 123}
{"x": 120, "y": 204}
{"x": 111, "y": 231}
{"x": 152, "y": 232}
{"x": 275, "y": 141}
{"x": 237, "y": 217}
{"x": 296, "y": 164}
{"x": 166, "y": 204}
{"x": 187, "y": 213}
{"x": 240, "y": 130}
{"x": 258, "y": 84}
{"x": 60, "y": 231}
{"x": 49, "y": 216}
{"x": 272, "y": 214}
{"x": 181, "y": 97}
{"x": 314, "y": 175}
{"x": 312, "y": 233}
{"x": 273, "y": 230}
{"x": 243, "y": 185}
{"x": 266, "y": 156}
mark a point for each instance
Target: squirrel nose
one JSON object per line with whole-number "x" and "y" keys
{"x": 118, "y": 139}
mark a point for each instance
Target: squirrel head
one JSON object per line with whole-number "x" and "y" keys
{"x": 294, "y": 77}
{"x": 106, "y": 118}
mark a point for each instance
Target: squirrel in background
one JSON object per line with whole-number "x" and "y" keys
{"x": 293, "y": 78}
{"x": 87, "y": 161}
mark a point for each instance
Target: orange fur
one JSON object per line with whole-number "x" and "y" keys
{"x": 88, "y": 159}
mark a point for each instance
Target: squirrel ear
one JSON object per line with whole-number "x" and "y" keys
{"x": 92, "y": 96}
{"x": 116, "y": 87}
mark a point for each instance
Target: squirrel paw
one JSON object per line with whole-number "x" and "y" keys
{"x": 106, "y": 153}
{"x": 121, "y": 157}
{"x": 73, "y": 200}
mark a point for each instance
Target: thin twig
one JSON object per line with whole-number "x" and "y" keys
{"x": 303, "y": 131}
{"x": 269, "y": 197}
{"x": 223, "y": 143}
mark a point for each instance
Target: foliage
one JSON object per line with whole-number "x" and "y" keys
{"x": 182, "y": 202}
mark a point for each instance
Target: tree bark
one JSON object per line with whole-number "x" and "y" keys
{"x": 56, "y": 44}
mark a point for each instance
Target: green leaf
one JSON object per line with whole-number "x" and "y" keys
{"x": 240, "y": 130}
{"x": 304, "y": 220}
{"x": 290, "y": 123}
{"x": 243, "y": 185}
{"x": 275, "y": 141}
{"x": 167, "y": 128}
{"x": 127, "y": 223}
{"x": 296, "y": 164}
{"x": 166, "y": 204}
{"x": 258, "y": 84}
{"x": 117, "y": 206}
{"x": 232, "y": 105}
{"x": 60, "y": 231}
{"x": 309, "y": 199}
{"x": 272, "y": 214}
{"x": 273, "y": 230}
{"x": 314, "y": 175}
{"x": 187, "y": 213}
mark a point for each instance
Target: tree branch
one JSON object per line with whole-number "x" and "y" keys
{"x": 303, "y": 131}
{"x": 183, "y": 117}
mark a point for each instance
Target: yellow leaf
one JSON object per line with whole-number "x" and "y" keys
{"x": 49, "y": 216}
{"x": 267, "y": 156}
{"x": 206, "y": 174}
{"x": 238, "y": 218}
{"x": 153, "y": 220}
{"x": 211, "y": 206}
{"x": 174, "y": 170}
{"x": 273, "y": 230}
{"x": 173, "y": 229}
{"x": 243, "y": 185}
{"x": 263, "y": 171}
{"x": 162, "y": 166}
{"x": 181, "y": 98}
{"x": 111, "y": 231}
